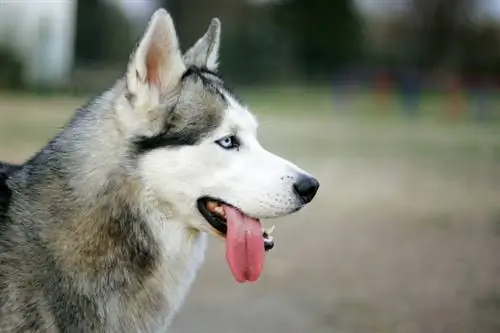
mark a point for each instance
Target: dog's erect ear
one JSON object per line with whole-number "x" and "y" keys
{"x": 205, "y": 52}
{"x": 157, "y": 62}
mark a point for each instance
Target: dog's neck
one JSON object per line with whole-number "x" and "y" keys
{"x": 108, "y": 239}
{"x": 119, "y": 233}
{"x": 181, "y": 253}
{"x": 148, "y": 260}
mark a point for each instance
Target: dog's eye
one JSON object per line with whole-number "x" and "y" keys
{"x": 228, "y": 142}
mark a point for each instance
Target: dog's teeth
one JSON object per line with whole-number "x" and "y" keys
{"x": 212, "y": 205}
{"x": 270, "y": 230}
{"x": 219, "y": 210}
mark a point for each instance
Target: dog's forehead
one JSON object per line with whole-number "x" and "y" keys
{"x": 208, "y": 93}
{"x": 238, "y": 117}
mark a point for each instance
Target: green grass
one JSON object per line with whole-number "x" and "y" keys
{"x": 363, "y": 104}
{"x": 406, "y": 225}
{"x": 356, "y": 127}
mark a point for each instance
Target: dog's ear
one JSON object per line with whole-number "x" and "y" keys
{"x": 157, "y": 62}
{"x": 205, "y": 52}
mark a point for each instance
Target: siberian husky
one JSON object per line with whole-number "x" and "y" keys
{"x": 104, "y": 229}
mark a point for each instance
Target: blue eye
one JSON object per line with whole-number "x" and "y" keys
{"x": 228, "y": 142}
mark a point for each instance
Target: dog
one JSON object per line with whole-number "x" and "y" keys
{"x": 105, "y": 228}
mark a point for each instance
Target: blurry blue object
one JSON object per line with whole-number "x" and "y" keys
{"x": 342, "y": 86}
{"x": 481, "y": 101}
{"x": 410, "y": 88}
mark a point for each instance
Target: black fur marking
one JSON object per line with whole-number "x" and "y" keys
{"x": 144, "y": 144}
{"x": 5, "y": 193}
{"x": 170, "y": 136}
{"x": 140, "y": 251}
{"x": 215, "y": 84}
{"x": 190, "y": 133}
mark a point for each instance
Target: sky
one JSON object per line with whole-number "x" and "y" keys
{"x": 488, "y": 8}
{"x": 491, "y": 8}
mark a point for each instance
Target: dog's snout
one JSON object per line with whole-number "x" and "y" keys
{"x": 306, "y": 188}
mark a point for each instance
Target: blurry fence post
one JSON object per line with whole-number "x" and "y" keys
{"x": 410, "y": 87}
{"x": 343, "y": 84}
{"x": 481, "y": 100}
{"x": 383, "y": 92}
{"x": 455, "y": 99}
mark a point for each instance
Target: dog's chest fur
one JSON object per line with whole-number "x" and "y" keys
{"x": 153, "y": 308}
{"x": 124, "y": 299}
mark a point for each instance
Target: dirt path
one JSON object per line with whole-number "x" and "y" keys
{"x": 395, "y": 244}
{"x": 403, "y": 237}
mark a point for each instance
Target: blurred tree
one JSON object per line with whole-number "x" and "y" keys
{"x": 11, "y": 69}
{"x": 482, "y": 49}
{"x": 327, "y": 33}
{"x": 440, "y": 27}
{"x": 452, "y": 35}
{"x": 251, "y": 51}
{"x": 103, "y": 33}
{"x": 277, "y": 39}
{"x": 193, "y": 16}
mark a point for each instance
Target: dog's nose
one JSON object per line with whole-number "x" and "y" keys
{"x": 306, "y": 188}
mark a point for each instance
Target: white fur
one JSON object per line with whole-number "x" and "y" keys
{"x": 250, "y": 178}
{"x": 183, "y": 253}
{"x": 253, "y": 179}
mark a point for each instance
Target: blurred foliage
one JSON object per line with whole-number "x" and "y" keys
{"x": 103, "y": 33}
{"x": 287, "y": 40}
{"x": 481, "y": 52}
{"x": 440, "y": 27}
{"x": 437, "y": 35}
{"x": 11, "y": 69}
{"x": 276, "y": 41}
{"x": 327, "y": 35}
{"x": 252, "y": 49}
{"x": 252, "y": 53}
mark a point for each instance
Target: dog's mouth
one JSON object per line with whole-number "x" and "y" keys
{"x": 246, "y": 240}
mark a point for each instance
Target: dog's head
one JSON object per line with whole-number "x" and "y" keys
{"x": 196, "y": 144}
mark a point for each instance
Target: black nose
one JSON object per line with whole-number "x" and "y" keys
{"x": 306, "y": 188}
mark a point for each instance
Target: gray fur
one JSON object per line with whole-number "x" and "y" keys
{"x": 99, "y": 231}
{"x": 204, "y": 52}
{"x": 194, "y": 113}
{"x": 65, "y": 251}
{"x": 75, "y": 240}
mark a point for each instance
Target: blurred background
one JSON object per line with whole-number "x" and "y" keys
{"x": 392, "y": 104}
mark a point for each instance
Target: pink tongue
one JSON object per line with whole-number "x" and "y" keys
{"x": 244, "y": 245}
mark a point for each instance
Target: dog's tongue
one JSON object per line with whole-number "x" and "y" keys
{"x": 244, "y": 245}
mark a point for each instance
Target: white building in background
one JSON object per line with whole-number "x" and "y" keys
{"x": 41, "y": 33}
{"x": 485, "y": 9}
{"x": 138, "y": 11}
